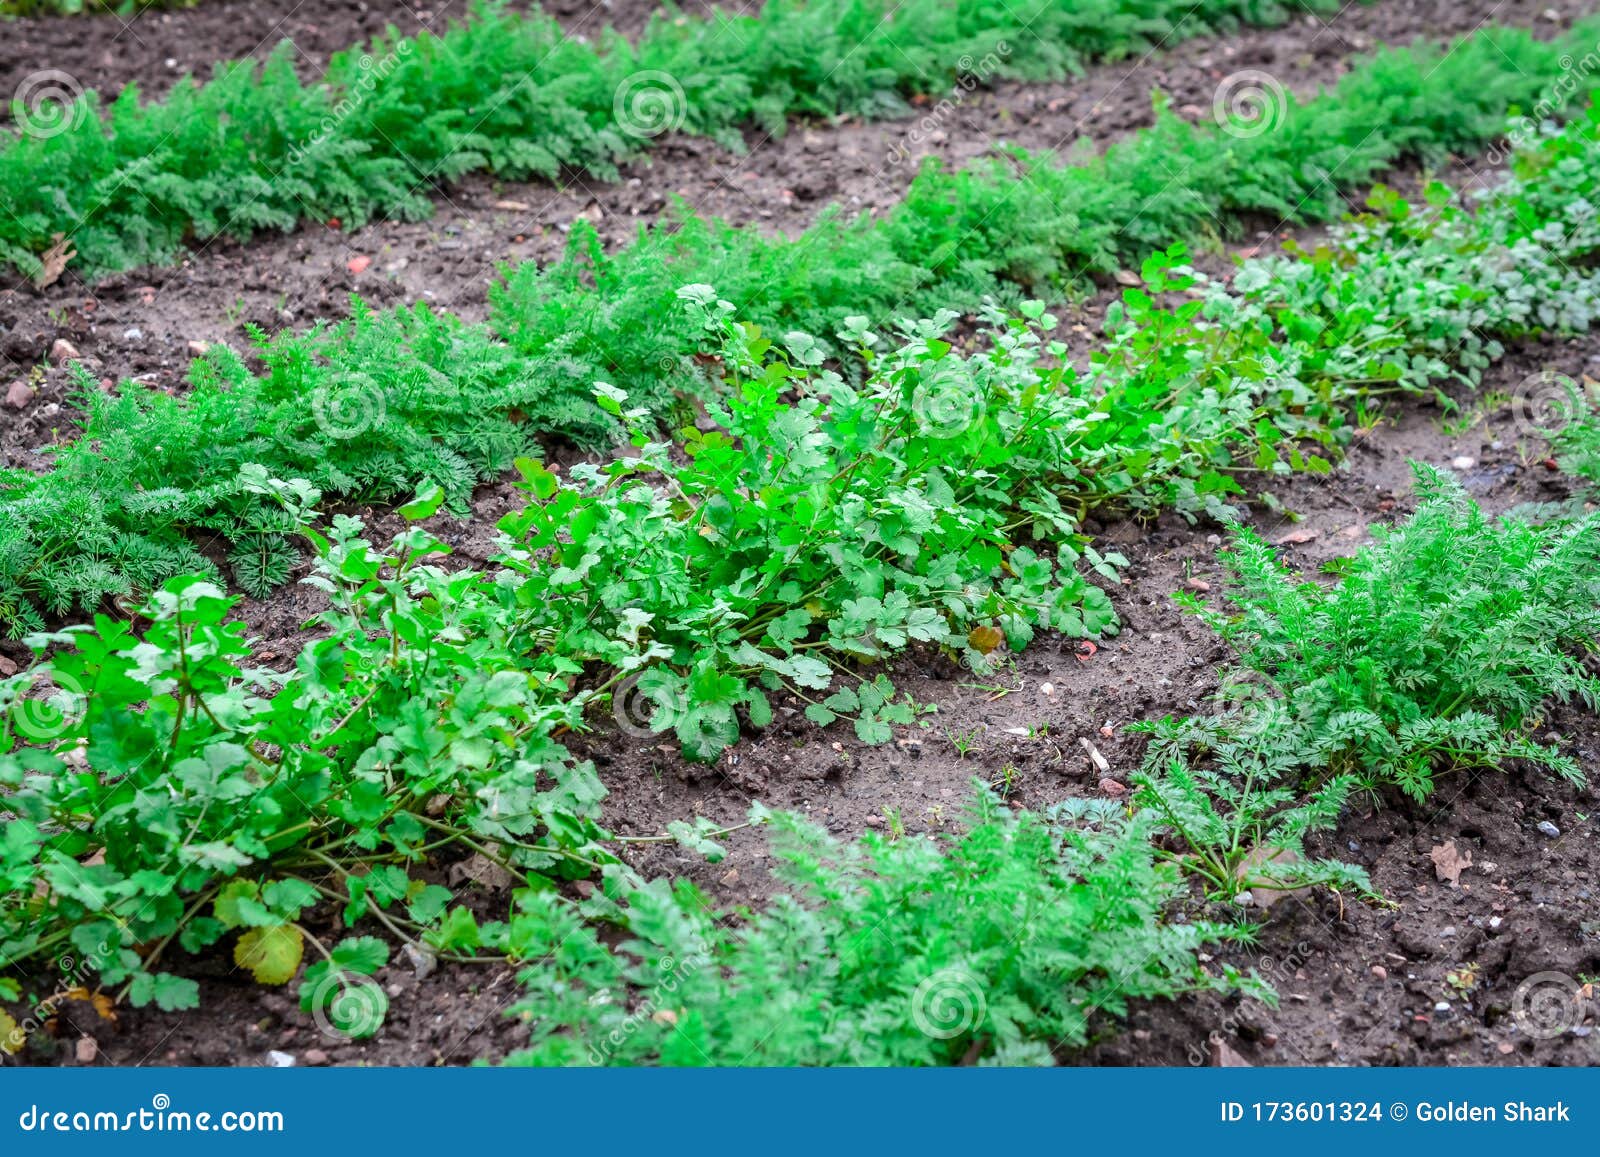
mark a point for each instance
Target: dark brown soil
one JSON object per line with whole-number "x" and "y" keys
{"x": 155, "y": 49}
{"x": 1527, "y": 905}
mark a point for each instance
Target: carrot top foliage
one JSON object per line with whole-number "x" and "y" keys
{"x": 512, "y": 94}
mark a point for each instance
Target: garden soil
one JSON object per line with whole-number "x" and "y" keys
{"x": 1432, "y": 976}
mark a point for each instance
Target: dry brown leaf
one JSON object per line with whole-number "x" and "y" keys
{"x": 1224, "y": 1057}
{"x": 1448, "y": 863}
{"x": 1296, "y": 537}
{"x": 53, "y": 261}
{"x": 1261, "y": 856}
{"x": 479, "y": 869}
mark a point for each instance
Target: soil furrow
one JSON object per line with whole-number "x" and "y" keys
{"x": 155, "y": 49}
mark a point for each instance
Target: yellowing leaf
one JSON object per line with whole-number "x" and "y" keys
{"x": 12, "y": 1038}
{"x": 105, "y": 1008}
{"x": 985, "y": 639}
{"x": 272, "y": 954}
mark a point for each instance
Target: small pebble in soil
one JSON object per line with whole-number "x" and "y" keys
{"x": 1495, "y": 921}
{"x": 1448, "y": 932}
{"x": 1442, "y": 1006}
{"x": 280, "y": 1060}
{"x": 1380, "y": 972}
{"x": 1464, "y": 462}
{"x": 1546, "y": 828}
